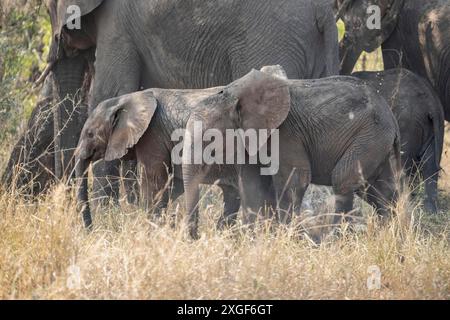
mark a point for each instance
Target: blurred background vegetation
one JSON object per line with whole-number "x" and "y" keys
{"x": 25, "y": 33}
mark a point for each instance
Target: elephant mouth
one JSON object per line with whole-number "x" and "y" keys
{"x": 96, "y": 155}
{"x": 92, "y": 156}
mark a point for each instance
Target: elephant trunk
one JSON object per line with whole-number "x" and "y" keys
{"x": 349, "y": 56}
{"x": 81, "y": 171}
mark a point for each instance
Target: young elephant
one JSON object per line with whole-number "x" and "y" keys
{"x": 420, "y": 116}
{"x": 140, "y": 125}
{"x": 335, "y": 131}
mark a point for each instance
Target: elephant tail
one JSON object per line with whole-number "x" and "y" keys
{"x": 437, "y": 139}
{"x": 438, "y": 118}
{"x": 398, "y": 154}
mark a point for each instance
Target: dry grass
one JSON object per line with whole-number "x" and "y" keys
{"x": 46, "y": 254}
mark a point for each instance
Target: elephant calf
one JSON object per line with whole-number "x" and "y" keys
{"x": 140, "y": 125}
{"x": 335, "y": 131}
{"x": 420, "y": 116}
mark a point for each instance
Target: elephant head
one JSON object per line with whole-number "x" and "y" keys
{"x": 276, "y": 71}
{"x": 115, "y": 126}
{"x": 70, "y": 69}
{"x": 65, "y": 30}
{"x": 361, "y": 30}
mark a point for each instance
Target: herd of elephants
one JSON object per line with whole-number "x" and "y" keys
{"x": 240, "y": 64}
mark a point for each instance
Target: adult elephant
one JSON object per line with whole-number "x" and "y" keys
{"x": 193, "y": 44}
{"x": 414, "y": 34}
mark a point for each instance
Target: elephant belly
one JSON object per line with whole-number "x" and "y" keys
{"x": 221, "y": 42}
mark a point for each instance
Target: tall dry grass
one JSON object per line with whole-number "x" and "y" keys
{"x": 46, "y": 254}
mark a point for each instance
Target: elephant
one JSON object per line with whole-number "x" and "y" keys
{"x": 36, "y": 162}
{"x": 190, "y": 44}
{"x": 414, "y": 34}
{"x": 140, "y": 126}
{"x": 31, "y": 165}
{"x": 420, "y": 116}
{"x": 335, "y": 131}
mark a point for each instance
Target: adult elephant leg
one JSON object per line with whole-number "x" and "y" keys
{"x": 70, "y": 115}
{"x": 31, "y": 164}
{"x": 328, "y": 28}
{"x": 232, "y": 203}
{"x": 117, "y": 72}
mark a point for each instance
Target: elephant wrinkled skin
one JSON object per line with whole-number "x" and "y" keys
{"x": 140, "y": 125}
{"x": 419, "y": 114}
{"x": 335, "y": 131}
{"x": 415, "y": 34}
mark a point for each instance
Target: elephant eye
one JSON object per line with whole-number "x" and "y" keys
{"x": 90, "y": 135}
{"x": 115, "y": 120}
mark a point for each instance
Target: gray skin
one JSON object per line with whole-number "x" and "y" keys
{"x": 415, "y": 34}
{"x": 420, "y": 116}
{"x": 52, "y": 124}
{"x": 140, "y": 125}
{"x": 193, "y": 44}
{"x": 335, "y": 132}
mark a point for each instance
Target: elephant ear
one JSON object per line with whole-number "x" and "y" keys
{"x": 263, "y": 102}
{"x": 130, "y": 119}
